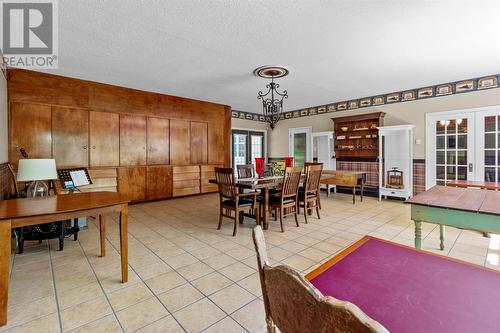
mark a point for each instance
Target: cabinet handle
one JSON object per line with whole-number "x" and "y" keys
{"x": 143, "y": 147}
{"x": 93, "y": 147}
{"x": 84, "y": 147}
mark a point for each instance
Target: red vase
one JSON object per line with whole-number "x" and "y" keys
{"x": 259, "y": 166}
{"x": 288, "y": 161}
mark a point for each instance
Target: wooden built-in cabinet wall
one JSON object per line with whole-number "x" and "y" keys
{"x": 160, "y": 146}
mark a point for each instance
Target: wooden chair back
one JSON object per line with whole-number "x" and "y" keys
{"x": 225, "y": 181}
{"x": 313, "y": 177}
{"x": 291, "y": 181}
{"x": 245, "y": 171}
{"x": 293, "y": 304}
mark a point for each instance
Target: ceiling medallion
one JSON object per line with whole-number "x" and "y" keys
{"x": 272, "y": 100}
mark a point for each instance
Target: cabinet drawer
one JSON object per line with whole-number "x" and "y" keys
{"x": 186, "y": 183}
{"x": 209, "y": 167}
{"x": 178, "y": 192}
{"x": 186, "y": 169}
{"x": 209, "y": 188}
{"x": 186, "y": 176}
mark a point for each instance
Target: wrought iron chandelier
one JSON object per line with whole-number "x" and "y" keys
{"x": 272, "y": 100}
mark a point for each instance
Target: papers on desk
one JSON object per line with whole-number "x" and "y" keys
{"x": 79, "y": 178}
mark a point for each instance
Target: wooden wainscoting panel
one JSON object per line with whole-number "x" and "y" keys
{"x": 132, "y": 140}
{"x": 132, "y": 182}
{"x": 180, "y": 139}
{"x": 70, "y": 137}
{"x": 199, "y": 142}
{"x": 31, "y": 129}
{"x": 158, "y": 140}
{"x": 159, "y": 182}
{"x": 104, "y": 129}
{"x": 36, "y": 87}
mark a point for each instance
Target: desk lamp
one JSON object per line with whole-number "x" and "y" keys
{"x": 36, "y": 171}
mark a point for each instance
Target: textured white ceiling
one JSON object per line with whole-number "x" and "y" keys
{"x": 335, "y": 50}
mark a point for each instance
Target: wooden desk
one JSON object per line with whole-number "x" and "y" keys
{"x": 32, "y": 211}
{"x": 344, "y": 178}
{"x": 474, "y": 184}
{"x": 410, "y": 290}
{"x": 457, "y": 207}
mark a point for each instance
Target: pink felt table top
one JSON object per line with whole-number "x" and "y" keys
{"x": 409, "y": 291}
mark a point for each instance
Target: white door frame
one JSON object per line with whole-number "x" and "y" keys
{"x": 250, "y": 130}
{"x": 329, "y": 135}
{"x": 472, "y": 154}
{"x": 308, "y": 131}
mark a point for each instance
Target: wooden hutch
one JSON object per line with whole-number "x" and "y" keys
{"x": 356, "y": 137}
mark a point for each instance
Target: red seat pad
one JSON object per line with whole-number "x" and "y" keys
{"x": 413, "y": 291}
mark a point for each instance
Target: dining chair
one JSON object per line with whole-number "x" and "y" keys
{"x": 245, "y": 171}
{"x": 232, "y": 200}
{"x": 306, "y": 165}
{"x": 310, "y": 193}
{"x": 294, "y": 305}
{"x": 286, "y": 201}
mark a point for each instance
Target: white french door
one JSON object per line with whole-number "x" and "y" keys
{"x": 463, "y": 146}
{"x": 488, "y": 146}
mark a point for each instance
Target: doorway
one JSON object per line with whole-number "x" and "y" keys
{"x": 463, "y": 146}
{"x": 300, "y": 144}
{"x": 246, "y": 146}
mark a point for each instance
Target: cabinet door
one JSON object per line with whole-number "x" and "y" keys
{"x": 159, "y": 182}
{"x": 132, "y": 182}
{"x": 70, "y": 136}
{"x": 104, "y": 139}
{"x": 180, "y": 142}
{"x": 199, "y": 142}
{"x": 30, "y": 128}
{"x": 158, "y": 141}
{"x": 132, "y": 140}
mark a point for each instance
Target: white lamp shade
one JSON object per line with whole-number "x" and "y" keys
{"x": 36, "y": 169}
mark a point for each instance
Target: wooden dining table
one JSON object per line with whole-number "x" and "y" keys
{"x": 265, "y": 184}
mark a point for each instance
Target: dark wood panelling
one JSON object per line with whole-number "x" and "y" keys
{"x": 104, "y": 139}
{"x": 159, "y": 182}
{"x": 70, "y": 136}
{"x": 132, "y": 182}
{"x": 35, "y": 87}
{"x": 132, "y": 140}
{"x": 5, "y": 182}
{"x": 166, "y": 136}
{"x": 158, "y": 141}
{"x": 199, "y": 142}
{"x": 118, "y": 99}
{"x": 30, "y": 128}
{"x": 180, "y": 139}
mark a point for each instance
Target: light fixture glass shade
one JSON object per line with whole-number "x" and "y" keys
{"x": 36, "y": 169}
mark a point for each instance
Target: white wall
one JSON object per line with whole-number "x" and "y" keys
{"x": 396, "y": 114}
{"x": 4, "y": 127}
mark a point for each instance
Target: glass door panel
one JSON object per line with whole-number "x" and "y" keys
{"x": 239, "y": 149}
{"x": 247, "y": 145}
{"x": 299, "y": 149}
{"x": 450, "y": 149}
{"x": 488, "y": 146}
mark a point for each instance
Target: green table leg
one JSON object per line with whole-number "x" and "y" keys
{"x": 441, "y": 236}
{"x": 418, "y": 234}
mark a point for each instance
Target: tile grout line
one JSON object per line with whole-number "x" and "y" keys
{"x": 189, "y": 282}
{"x": 55, "y": 288}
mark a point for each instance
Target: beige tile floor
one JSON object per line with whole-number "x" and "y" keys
{"x": 187, "y": 276}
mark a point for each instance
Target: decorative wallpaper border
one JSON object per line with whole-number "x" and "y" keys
{"x": 451, "y": 88}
